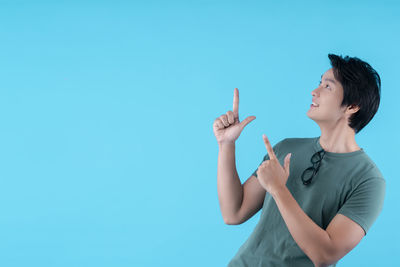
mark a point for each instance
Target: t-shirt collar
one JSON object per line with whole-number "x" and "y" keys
{"x": 318, "y": 147}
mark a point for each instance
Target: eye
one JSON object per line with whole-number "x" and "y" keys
{"x": 327, "y": 86}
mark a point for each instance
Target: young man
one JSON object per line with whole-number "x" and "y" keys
{"x": 319, "y": 196}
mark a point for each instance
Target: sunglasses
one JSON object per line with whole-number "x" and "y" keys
{"x": 310, "y": 172}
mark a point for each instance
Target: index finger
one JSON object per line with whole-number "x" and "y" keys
{"x": 271, "y": 152}
{"x": 236, "y": 103}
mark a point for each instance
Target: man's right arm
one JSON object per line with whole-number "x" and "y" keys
{"x": 238, "y": 202}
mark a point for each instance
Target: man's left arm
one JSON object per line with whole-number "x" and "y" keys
{"x": 322, "y": 247}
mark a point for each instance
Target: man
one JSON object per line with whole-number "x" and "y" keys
{"x": 319, "y": 196}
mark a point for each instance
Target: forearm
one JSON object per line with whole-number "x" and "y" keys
{"x": 230, "y": 191}
{"x": 311, "y": 238}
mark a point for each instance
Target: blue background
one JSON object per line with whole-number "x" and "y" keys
{"x": 107, "y": 153}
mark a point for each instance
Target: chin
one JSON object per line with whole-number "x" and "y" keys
{"x": 310, "y": 116}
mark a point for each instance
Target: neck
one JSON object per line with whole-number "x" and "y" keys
{"x": 338, "y": 139}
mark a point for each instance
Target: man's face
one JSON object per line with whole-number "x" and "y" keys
{"x": 328, "y": 96}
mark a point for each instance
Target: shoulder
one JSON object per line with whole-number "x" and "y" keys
{"x": 370, "y": 169}
{"x": 297, "y": 141}
{"x": 295, "y": 145}
{"x": 365, "y": 176}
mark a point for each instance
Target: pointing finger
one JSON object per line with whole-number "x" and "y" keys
{"x": 271, "y": 152}
{"x": 236, "y": 103}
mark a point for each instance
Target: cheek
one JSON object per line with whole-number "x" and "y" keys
{"x": 328, "y": 109}
{"x": 332, "y": 110}
{"x": 332, "y": 101}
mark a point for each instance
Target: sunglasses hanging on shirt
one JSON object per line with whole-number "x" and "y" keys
{"x": 310, "y": 172}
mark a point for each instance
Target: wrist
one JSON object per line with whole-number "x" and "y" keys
{"x": 279, "y": 191}
{"x": 226, "y": 144}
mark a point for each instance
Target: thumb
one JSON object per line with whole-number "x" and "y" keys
{"x": 246, "y": 121}
{"x": 287, "y": 162}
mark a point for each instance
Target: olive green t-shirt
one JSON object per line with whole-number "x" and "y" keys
{"x": 346, "y": 183}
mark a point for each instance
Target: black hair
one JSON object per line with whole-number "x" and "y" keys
{"x": 361, "y": 87}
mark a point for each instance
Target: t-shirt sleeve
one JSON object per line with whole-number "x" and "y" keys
{"x": 365, "y": 202}
{"x": 266, "y": 157}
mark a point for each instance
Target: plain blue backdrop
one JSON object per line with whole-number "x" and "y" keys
{"x": 107, "y": 153}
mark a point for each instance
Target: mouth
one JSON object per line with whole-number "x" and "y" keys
{"x": 314, "y": 105}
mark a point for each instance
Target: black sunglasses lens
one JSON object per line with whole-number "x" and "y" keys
{"x": 308, "y": 174}
{"x": 316, "y": 158}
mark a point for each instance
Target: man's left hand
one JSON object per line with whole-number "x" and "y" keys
{"x": 271, "y": 175}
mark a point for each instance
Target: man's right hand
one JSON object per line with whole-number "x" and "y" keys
{"x": 227, "y": 127}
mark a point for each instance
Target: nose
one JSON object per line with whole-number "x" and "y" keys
{"x": 315, "y": 91}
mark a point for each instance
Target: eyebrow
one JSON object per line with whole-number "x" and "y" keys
{"x": 329, "y": 80}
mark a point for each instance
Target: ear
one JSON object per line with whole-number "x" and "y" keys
{"x": 353, "y": 109}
